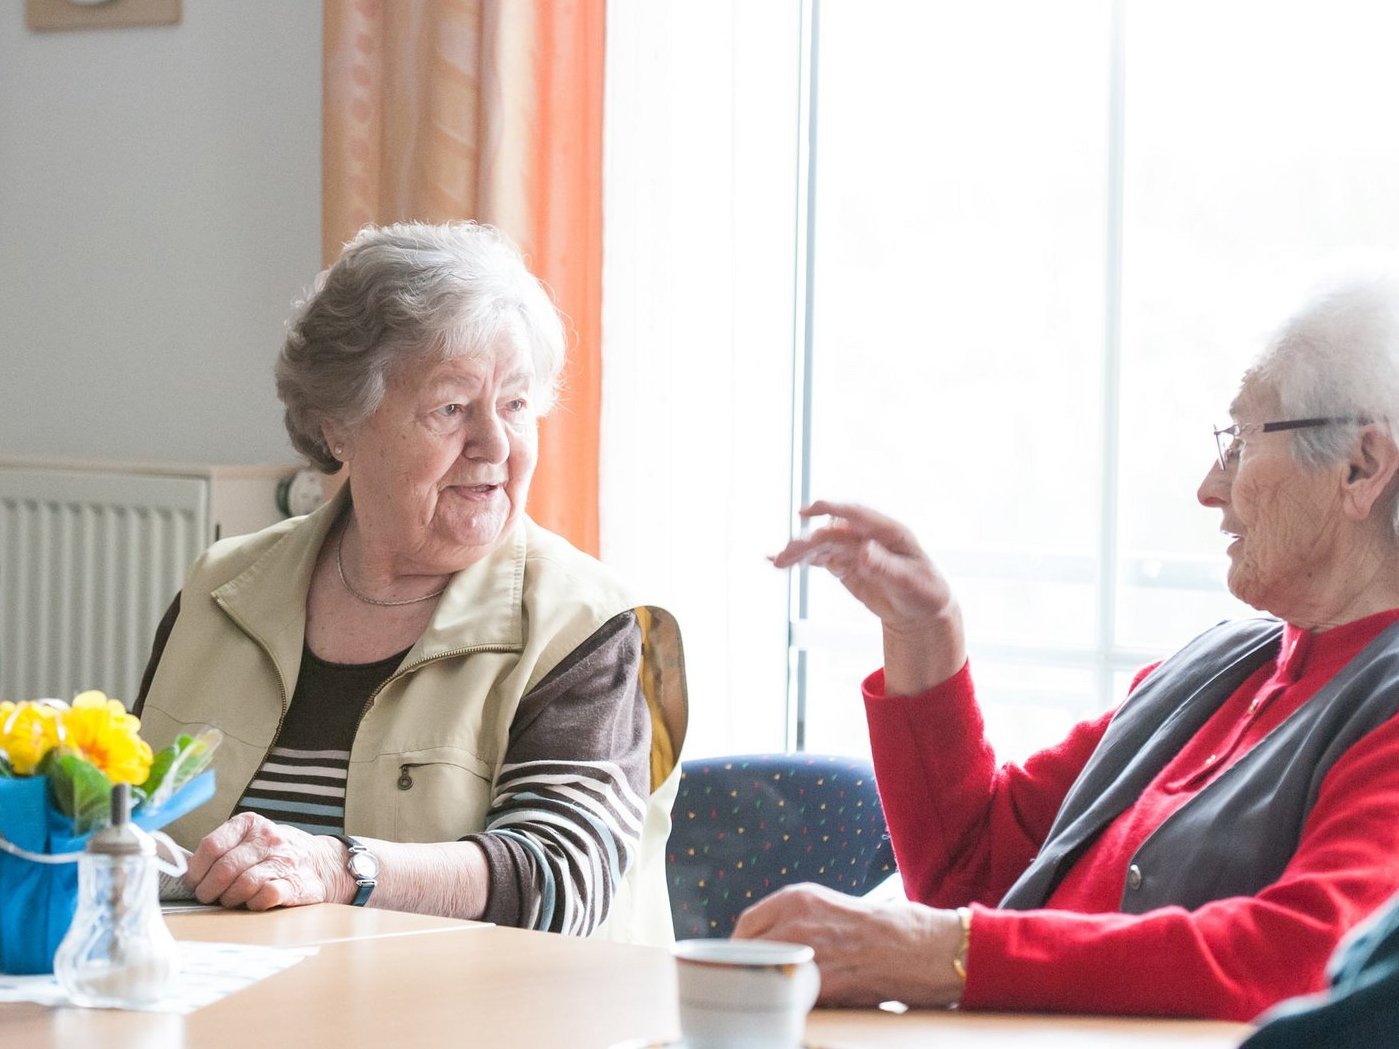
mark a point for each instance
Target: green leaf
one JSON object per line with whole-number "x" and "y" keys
{"x": 191, "y": 756}
{"x": 160, "y": 767}
{"x": 6, "y": 770}
{"x": 80, "y": 789}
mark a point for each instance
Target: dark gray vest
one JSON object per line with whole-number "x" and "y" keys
{"x": 1235, "y": 836}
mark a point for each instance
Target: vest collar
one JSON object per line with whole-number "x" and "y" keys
{"x": 482, "y": 605}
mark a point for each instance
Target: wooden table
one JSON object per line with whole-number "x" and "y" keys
{"x": 382, "y": 979}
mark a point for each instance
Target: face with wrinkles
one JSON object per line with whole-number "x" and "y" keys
{"x": 441, "y": 470}
{"x": 1284, "y": 519}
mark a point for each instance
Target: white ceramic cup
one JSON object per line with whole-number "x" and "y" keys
{"x": 744, "y": 994}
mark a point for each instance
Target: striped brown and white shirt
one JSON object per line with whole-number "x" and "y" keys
{"x": 565, "y": 822}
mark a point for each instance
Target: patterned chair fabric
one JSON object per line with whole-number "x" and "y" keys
{"x": 747, "y": 825}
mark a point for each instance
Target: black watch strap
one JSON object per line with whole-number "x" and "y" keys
{"x": 363, "y": 867}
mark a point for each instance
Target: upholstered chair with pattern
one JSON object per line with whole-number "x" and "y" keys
{"x": 747, "y": 825}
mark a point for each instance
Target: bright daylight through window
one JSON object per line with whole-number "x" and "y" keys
{"x": 1027, "y": 250}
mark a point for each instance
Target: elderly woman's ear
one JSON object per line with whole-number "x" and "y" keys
{"x": 334, "y": 440}
{"x": 1371, "y": 471}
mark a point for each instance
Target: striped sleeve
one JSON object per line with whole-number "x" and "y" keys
{"x": 565, "y": 823}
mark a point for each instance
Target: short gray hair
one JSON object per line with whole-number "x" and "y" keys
{"x": 402, "y": 294}
{"x": 1338, "y": 356}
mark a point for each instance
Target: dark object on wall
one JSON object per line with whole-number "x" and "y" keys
{"x": 99, "y": 14}
{"x": 747, "y": 825}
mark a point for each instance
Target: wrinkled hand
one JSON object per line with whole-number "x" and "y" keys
{"x": 251, "y": 861}
{"x": 867, "y": 952}
{"x": 876, "y": 559}
{"x": 880, "y": 562}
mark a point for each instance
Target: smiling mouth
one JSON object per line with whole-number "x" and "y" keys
{"x": 475, "y": 491}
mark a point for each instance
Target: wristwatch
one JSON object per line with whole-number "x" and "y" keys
{"x": 363, "y": 867}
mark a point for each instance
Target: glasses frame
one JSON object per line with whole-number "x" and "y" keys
{"x": 1225, "y": 450}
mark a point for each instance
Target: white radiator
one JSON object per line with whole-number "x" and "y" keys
{"x": 91, "y": 555}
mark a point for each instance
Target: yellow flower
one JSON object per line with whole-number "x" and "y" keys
{"x": 105, "y": 734}
{"x": 28, "y": 731}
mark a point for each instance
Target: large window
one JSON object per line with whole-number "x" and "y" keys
{"x": 992, "y": 267}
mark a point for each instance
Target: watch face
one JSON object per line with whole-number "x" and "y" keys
{"x": 363, "y": 866}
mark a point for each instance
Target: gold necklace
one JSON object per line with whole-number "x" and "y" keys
{"x": 340, "y": 567}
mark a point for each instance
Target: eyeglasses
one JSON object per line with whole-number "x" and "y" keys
{"x": 1229, "y": 449}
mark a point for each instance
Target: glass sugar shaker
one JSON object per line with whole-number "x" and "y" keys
{"x": 118, "y": 952}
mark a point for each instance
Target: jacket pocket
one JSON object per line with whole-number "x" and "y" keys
{"x": 439, "y": 799}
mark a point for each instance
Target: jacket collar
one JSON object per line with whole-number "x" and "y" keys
{"x": 482, "y": 605}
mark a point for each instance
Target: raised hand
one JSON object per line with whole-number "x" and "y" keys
{"x": 880, "y": 562}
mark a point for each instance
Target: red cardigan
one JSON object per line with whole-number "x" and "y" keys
{"x": 963, "y": 830}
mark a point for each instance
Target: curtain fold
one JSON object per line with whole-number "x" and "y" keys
{"x": 488, "y": 110}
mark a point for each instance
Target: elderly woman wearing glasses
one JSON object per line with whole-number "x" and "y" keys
{"x": 1200, "y": 850}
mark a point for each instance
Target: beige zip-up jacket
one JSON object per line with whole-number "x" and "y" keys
{"x": 501, "y": 626}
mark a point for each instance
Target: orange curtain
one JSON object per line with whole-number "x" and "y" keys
{"x": 488, "y": 110}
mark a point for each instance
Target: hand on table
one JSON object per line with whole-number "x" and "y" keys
{"x": 251, "y": 861}
{"x": 880, "y": 562}
{"x": 867, "y": 952}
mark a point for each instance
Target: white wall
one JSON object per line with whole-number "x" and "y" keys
{"x": 159, "y": 210}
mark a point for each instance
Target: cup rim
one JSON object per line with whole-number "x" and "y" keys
{"x": 765, "y": 954}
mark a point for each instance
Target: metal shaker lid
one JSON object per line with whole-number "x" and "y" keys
{"x": 122, "y": 837}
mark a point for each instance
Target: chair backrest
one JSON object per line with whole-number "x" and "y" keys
{"x": 746, "y": 825}
{"x": 663, "y": 684}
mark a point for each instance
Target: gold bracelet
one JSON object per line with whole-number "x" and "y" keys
{"x": 959, "y": 960}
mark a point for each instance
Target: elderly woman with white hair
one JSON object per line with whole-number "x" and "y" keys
{"x": 1200, "y": 850}
{"x": 428, "y": 702}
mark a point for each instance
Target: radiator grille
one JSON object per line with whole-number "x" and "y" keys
{"x": 88, "y": 564}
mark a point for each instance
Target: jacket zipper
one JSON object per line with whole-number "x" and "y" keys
{"x": 411, "y": 667}
{"x": 405, "y": 776}
{"x": 400, "y": 672}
